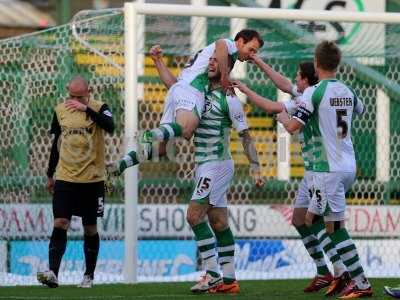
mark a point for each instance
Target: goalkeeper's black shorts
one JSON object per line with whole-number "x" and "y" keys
{"x": 85, "y": 200}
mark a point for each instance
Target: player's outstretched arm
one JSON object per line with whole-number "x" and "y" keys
{"x": 265, "y": 104}
{"x": 221, "y": 52}
{"x": 251, "y": 154}
{"x": 165, "y": 74}
{"x": 280, "y": 81}
{"x": 291, "y": 124}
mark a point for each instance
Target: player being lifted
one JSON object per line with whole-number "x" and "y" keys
{"x": 185, "y": 99}
{"x": 325, "y": 114}
{"x": 214, "y": 173}
{"x": 305, "y": 78}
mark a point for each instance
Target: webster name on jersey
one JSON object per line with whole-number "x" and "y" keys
{"x": 326, "y": 111}
{"x": 341, "y": 101}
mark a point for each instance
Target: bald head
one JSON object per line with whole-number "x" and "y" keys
{"x": 78, "y": 86}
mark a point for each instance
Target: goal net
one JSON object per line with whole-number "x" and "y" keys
{"x": 36, "y": 68}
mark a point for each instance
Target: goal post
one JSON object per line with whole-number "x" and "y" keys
{"x": 131, "y": 131}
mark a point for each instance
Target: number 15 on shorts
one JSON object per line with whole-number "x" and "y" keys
{"x": 203, "y": 187}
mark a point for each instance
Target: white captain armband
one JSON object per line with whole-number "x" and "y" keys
{"x": 302, "y": 114}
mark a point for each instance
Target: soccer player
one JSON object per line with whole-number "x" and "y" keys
{"x": 78, "y": 126}
{"x": 325, "y": 114}
{"x": 185, "y": 98}
{"x": 305, "y": 78}
{"x": 214, "y": 173}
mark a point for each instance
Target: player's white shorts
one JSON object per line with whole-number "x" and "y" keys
{"x": 303, "y": 198}
{"x": 213, "y": 180}
{"x": 329, "y": 189}
{"x": 182, "y": 95}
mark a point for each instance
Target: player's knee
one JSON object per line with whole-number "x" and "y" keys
{"x": 309, "y": 219}
{"x": 192, "y": 218}
{"x": 218, "y": 225}
{"x": 61, "y": 223}
{"x": 298, "y": 217}
{"x": 297, "y": 220}
{"x": 90, "y": 230}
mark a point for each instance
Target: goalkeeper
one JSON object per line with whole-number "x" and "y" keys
{"x": 214, "y": 173}
{"x": 78, "y": 127}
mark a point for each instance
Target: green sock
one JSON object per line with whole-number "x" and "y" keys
{"x": 330, "y": 250}
{"x": 129, "y": 160}
{"x": 314, "y": 249}
{"x": 206, "y": 243}
{"x": 349, "y": 255}
{"x": 166, "y": 132}
{"x": 226, "y": 254}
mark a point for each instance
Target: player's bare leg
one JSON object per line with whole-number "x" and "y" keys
{"x": 58, "y": 243}
{"x": 218, "y": 218}
{"x": 185, "y": 123}
{"x": 206, "y": 244}
{"x": 188, "y": 120}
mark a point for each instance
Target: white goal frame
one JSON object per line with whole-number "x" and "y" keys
{"x": 132, "y": 59}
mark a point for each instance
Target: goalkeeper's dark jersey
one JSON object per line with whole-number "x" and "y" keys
{"x": 79, "y": 137}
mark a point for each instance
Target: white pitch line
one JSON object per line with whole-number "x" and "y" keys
{"x": 57, "y": 298}
{"x": 162, "y": 296}
{"x": 94, "y": 297}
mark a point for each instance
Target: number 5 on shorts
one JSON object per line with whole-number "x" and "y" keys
{"x": 317, "y": 201}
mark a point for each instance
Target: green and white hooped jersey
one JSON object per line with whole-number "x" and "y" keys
{"x": 326, "y": 110}
{"x": 212, "y": 136}
{"x": 198, "y": 65}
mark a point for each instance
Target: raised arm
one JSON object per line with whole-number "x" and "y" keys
{"x": 103, "y": 118}
{"x": 165, "y": 74}
{"x": 221, "y": 52}
{"x": 267, "y": 105}
{"x": 280, "y": 81}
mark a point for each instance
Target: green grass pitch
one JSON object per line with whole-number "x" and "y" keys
{"x": 262, "y": 289}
